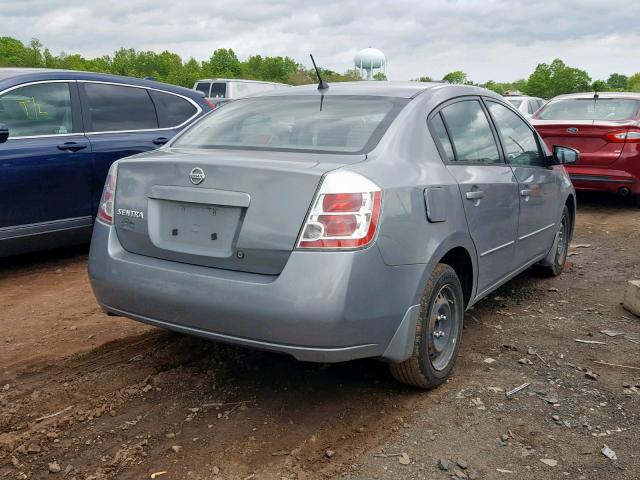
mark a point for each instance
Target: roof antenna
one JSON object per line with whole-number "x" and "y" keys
{"x": 322, "y": 85}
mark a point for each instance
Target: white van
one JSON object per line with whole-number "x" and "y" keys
{"x": 221, "y": 90}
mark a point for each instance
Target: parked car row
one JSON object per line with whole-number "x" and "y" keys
{"x": 60, "y": 133}
{"x": 222, "y": 90}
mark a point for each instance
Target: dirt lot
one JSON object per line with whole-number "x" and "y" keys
{"x": 86, "y": 396}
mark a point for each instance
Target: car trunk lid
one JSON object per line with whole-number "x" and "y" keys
{"x": 590, "y": 138}
{"x": 231, "y": 209}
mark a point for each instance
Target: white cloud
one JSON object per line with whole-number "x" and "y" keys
{"x": 495, "y": 39}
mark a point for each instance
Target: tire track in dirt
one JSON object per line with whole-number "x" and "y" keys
{"x": 125, "y": 404}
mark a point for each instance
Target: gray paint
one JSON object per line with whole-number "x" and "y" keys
{"x": 323, "y": 306}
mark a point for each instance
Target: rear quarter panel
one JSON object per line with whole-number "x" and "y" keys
{"x": 404, "y": 164}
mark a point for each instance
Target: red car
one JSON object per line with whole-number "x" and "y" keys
{"x": 605, "y": 129}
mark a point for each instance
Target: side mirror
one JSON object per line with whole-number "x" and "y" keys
{"x": 4, "y": 133}
{"x": 565, "y": 155}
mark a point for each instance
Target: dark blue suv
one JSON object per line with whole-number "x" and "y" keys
{"x": 60, "y": 131}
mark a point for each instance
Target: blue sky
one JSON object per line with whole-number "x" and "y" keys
{"x": 498, "y": 40}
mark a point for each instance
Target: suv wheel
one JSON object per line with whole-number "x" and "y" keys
{"x": 438, "y": 332}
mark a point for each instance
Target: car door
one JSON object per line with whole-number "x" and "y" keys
{"x": 45, "y": 165}
{"x": 488, "y": 188}
{"x": 121, "y": 120}
{"x": 538, "y": 184}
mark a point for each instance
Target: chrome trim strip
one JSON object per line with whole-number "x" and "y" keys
{"x": 536, "y": 232}
{"x": 39, "y": 228}
{"x": 37, "y": 82}
{"x": 493, "y": 250}
{"x": 180, "y": 126}
{"x": 51, "y": 135}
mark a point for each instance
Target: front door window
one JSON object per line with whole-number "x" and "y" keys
{"x": 36, "y": 110}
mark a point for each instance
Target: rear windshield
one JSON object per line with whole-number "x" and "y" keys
{"x": 590, "y": 109}
{"x": 333, "y": 124}
{"x": 514, "y": 102}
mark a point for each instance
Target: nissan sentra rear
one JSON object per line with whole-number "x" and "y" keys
{"x": 250, "y": 228}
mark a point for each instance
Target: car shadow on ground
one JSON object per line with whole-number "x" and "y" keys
{"x": 605, "y": 201}
{"x": 43, "y": 259}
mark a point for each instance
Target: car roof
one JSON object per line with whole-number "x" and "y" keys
{"x": 520, "y": 97}
{"x": 601, "y": 95}
{"x": 375, "y": 88}
{"x": 239, "y": 80}
{"x": 22, "y": 75}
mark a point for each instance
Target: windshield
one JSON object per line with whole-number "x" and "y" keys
{"x": 514, "y": 102}
{"x": 335, "y": 123}
{"x": 590, "y": 109}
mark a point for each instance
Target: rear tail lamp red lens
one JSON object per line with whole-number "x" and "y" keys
{"x": 344, "y": 215}
{"x": 628, "y": 135}
{"x": 105, "y": 210}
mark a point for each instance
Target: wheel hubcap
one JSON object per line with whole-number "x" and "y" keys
{"x": 443, "y": 328}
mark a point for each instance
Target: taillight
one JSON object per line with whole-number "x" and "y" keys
{"x": 344, "y": 215}
{"x": 105, "y": 210}
{"x": 210, "y": 103}
{"x": 621, "y": 136}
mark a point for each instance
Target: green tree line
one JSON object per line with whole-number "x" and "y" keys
{"x": 549, "y": 80}
{"x": 546, "y": 81}
{"x": 167, "y": 66}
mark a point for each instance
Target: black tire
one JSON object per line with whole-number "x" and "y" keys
{"x": 425, "y": 368}
{"x": 562, "y": 248}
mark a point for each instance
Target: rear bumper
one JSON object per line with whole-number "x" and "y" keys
{"x": 324, "y": 306}
{"x": 603, "y": 179}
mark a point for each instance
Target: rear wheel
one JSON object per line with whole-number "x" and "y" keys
{"x": 562, "y": 246}
{"x": 438, "y": 332}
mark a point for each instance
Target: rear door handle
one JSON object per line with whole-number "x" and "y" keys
{"x": 71, "y": 147}
{"x": 474, "y": 195}
{"x": 160, "y": 140}
{"x": 525, "y": 192}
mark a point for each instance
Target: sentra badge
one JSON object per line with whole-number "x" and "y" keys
{"x": 125, "y": 212}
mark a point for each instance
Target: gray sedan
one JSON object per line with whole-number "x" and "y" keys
{"x": 359, "y": 220}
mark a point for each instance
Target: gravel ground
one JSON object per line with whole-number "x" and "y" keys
{"x": 85, "y": 396}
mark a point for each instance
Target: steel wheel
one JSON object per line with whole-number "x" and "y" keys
{"x": 443, "y": 329}
{"x": 563, "y": 236}
{"x": 438, "y": 332}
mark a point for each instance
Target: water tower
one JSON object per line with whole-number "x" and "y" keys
{"x": 369, "y": 60}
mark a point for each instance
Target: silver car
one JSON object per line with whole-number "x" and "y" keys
{"x": 526, "y": 105}
{"x": 359, "y": 220}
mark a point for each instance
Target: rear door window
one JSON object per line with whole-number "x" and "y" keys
{"x": 39, "y": 109}
{"x": 118, "y": 108}
{"x": 519, "y": 141}
{"x": 173, "y": 110}
{"x": 470, "y": 133}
